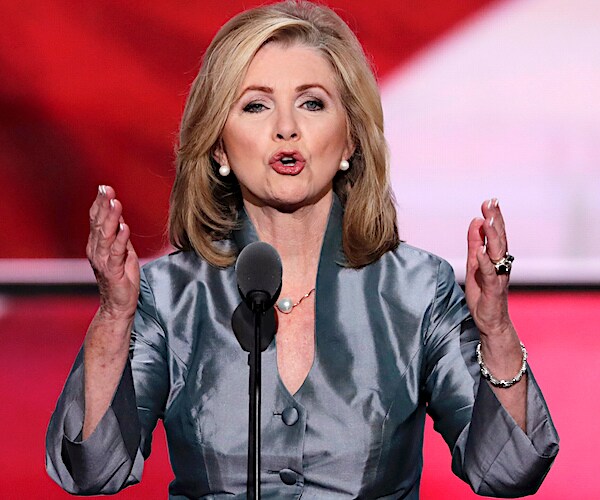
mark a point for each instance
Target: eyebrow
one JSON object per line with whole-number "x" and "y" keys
{"x": 269, "y": 90}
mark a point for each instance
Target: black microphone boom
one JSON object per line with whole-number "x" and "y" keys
{"x": 258, "y": 271}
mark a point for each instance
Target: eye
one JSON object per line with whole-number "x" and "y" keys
{"x": 254, "y": 107}
{"x": 313, "y": 105}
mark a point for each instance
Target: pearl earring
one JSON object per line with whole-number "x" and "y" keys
{"x": 224, "y": 170}
{"x": 344, "y": 165}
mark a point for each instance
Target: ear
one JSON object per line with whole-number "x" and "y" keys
{"x": 350, "y": 145}
{"x": 349, "y": 149}
{"x": 219, "y": 154}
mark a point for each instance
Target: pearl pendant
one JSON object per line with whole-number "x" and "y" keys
{"x": 285, "y": 305}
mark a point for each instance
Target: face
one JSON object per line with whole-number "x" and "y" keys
{"x": 286, "y": 134}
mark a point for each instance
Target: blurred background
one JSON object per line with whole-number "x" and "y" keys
{"x": 482, "y": 98}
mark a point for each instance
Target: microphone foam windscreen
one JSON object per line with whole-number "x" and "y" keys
{"x": 258, "y": 268}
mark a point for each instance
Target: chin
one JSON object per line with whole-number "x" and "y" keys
{"x": 288, "y": 204}
{"x": 286, "y": 197}
{"x": 291, "y": 200}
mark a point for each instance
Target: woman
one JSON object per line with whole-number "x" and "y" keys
{"x": 282, "y": 140}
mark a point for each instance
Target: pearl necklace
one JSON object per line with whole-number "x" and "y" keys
{"x": 286, "y": 305}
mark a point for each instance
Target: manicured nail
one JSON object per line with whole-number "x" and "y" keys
{"x": 484, "y": 249}
{"x": 121, "y": 226}
{"x": 492, "y": 222}
{"x": 489, "y": 203}
{"x": 496, "y": 202}
{"x": 102, "y": 190}
{"x": 112, "y": 203}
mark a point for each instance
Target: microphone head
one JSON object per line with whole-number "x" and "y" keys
{"x": 258, "y": 271}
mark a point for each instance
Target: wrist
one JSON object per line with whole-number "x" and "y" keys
{"x": 502, "y": 352}
{"x": 109, "y": 314}
{"x": 500, "y": 333}
{"x": 501, "y": 381}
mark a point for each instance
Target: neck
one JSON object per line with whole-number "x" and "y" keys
{"x": 297, "y": 236}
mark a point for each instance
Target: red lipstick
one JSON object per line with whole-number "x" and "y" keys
{"x": 287, "y": 162}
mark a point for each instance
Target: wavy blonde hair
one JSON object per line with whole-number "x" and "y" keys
{"x": 204, "y": 206}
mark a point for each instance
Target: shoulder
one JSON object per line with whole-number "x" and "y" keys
{"x": 178, "y": 261}
{"x": 416, "y": 262}
{"x": 174, "y": 274}
{"x": 179, "y": 264}
{"x": 183, "y": 281}
{"x": 407, "y": 279}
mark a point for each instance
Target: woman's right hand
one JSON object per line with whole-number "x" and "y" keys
{"x": 112, "y": 257}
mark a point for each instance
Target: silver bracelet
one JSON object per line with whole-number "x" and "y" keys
{"x": 493, "y": 380}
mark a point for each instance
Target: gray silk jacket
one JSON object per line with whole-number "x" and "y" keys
{"x": 394, "y": 341}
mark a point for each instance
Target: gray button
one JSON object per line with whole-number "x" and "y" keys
{"x": 290, "y": 416}
{"x": 288, "y": 476}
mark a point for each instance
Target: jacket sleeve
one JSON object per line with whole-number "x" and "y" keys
{"x": 112, "y": 456}
{"x": 489, "y": 450}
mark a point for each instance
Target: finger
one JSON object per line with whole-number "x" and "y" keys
{"x": 496, "y": 248}
{"x": 107, "y": 231}
{"x": 119, "y": 250}
{"x": 491, "y": 208}
{"x": 474, "y": 240}
{"x": 98, "y": 213}
{"x": 100, "y": 206}
{"x": 489, "y": 279}
{"x": 96, "y": 205}
{"x": 491, "y": 211}
{"x": 132, "y": 263}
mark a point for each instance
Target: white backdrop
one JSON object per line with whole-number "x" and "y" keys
{"x": 507, "y": 105}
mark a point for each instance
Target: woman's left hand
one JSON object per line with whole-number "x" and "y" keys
{"x": 487, "y": 297}
{"x": 485, "y": 290}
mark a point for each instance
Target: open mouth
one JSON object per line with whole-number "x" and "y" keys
{"x": 287, "y": 162}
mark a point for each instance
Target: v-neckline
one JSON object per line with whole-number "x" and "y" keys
{"x": 330, "y": 257}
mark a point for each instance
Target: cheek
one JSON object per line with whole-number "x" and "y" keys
{"x": 239, "y": 141}
{"x": 333, "y": 138}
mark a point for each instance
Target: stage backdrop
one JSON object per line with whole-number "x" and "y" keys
{"x": 482, "y": 98}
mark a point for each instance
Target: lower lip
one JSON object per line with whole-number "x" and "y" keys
{"x": 282, "y": 169}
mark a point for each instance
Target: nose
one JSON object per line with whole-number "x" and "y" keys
{"x": 286, "y": 126}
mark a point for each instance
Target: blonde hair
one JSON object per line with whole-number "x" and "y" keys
{"x": 204, "y": 206}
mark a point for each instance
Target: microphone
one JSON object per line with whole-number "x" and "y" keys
{"x": 258, "y": 271}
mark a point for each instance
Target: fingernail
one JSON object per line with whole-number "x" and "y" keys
{"x": 496, "y": 202}
{"x": 102, "y": 190}
{"x": 121, "y": 226}
{"x": 484, "y": 249}
{"x": 492, "y": 222}
{"x": 489, "y": 203}
{"x": 112, "y": 203}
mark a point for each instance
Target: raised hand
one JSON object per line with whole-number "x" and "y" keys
{"x": 485, "y": 290}
{"x": 487, "y": 297}
{"x": 116, "y": 267}
{"x": 112, "y": 256}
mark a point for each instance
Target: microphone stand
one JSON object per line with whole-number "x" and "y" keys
{"x": 254, "y": 360}
{"x": 258, "y": 271}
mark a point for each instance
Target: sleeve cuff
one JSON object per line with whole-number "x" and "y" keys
{"x": 96, "y": 460}
{"x": 500, "y": 459}
{"x": 101, "y": 463}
